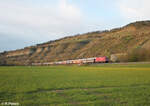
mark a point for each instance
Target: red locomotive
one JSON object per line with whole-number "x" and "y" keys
{"x": 101, "y": 59}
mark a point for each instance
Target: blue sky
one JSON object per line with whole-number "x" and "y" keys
{"x": 28, "y": 22}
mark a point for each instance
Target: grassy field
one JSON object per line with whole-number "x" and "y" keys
{"x": 110, "y": 84}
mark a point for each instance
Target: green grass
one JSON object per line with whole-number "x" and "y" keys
{"x": 106, "y": 84}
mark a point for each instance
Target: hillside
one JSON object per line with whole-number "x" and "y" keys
{"x": 120, "y": 40}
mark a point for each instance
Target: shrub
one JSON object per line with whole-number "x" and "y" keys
{"x": 2, "y": 61}
{"x": 136, "y": 55}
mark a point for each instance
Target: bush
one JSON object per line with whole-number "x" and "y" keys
{"x": 2, "y": 61}
{"x": 136, "y": 55}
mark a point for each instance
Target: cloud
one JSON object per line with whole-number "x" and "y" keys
{"x": 135, "y": 10}
{"x": 38, "y": 20}
{"x": 28, "y": 23}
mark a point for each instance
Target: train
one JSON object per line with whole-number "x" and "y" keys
{"x": 103, "y": 59}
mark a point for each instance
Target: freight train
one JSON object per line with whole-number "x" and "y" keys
{"x": 77, "y": 61}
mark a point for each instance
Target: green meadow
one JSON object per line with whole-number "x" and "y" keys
{"x": 94, "y": 85}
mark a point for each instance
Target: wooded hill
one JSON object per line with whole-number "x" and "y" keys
{"x": 94, "y": 44}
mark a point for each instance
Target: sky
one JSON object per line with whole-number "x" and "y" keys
{"x": 29, "y": 22}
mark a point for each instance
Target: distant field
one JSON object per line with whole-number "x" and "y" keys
{"x": 106, "y": 84}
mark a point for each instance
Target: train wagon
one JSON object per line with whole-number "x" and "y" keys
{"x": 69, "y": 62}
{"x": 88, "y": 60}
{"x": 77, "y": 61}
